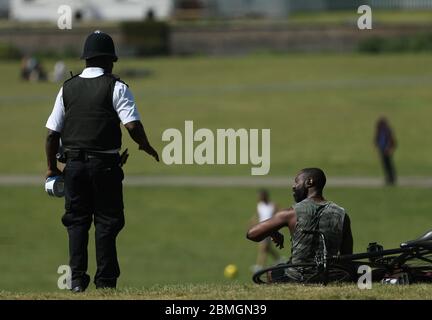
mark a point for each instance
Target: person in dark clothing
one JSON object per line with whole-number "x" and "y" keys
{"x": 86, "y": 116}
{"x": 385, "y": 143}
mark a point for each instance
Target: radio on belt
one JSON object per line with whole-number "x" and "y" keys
{"x": 54, "y": 186}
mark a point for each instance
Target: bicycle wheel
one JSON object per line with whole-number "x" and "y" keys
{"x": 420, "y": 274}
{"x": 285, "y": 273}
{"x": 419, "y": 266}
{"x": 334, "y": 274}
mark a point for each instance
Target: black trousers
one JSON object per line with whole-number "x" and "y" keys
{"x": 93, "y": 188}
{"x": 389, "y": 170}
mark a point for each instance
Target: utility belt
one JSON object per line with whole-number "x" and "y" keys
{"x": 85, "y": 155}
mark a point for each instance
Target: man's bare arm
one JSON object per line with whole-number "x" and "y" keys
{"x": 269, "y": 227}
{"x": 52, "y": 144}
{"x": 137, "y": 133}
{"x": 347, "y": 240}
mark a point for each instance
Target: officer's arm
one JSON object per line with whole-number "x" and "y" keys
{"x": 347, "y": 240}
{"x": 51, "y": 147}
{"x": 137, "y": 133}
{"x": 271, "y": 226}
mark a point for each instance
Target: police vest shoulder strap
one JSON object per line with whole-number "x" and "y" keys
{"x": 116, "y": 78}
{"x": 72, "y": 77}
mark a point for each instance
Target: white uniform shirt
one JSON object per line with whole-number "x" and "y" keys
{"x": 265, "y": 210}
{"x": 123, "y": 103}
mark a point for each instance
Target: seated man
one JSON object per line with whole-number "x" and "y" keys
{"x": 311, "y": 212}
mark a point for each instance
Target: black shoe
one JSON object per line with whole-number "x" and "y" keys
{"x": 78, "y": 289}
{"x": 106, "y": 283}
{"x": 81, "y": 284}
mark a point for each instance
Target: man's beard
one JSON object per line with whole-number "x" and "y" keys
{"x": 299, "y": 195}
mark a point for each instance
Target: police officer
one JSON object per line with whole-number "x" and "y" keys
{"x": 86, "y": 117}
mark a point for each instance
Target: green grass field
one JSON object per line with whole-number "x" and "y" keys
{"x": 178, "y": 236}
{"x": 351, "y": 16}
{"x": 237, "y": 291}
{"x": 321, "y": 110}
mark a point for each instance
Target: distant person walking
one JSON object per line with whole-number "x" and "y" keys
{"x": 386, "y": 145}
{"x": 265, "y": 210}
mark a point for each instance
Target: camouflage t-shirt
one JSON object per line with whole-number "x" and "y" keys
{"x": 326, "y": 217}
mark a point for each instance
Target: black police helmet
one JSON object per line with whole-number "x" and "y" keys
{"x": 99, "y": 44}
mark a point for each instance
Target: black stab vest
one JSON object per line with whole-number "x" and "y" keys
{"x": 90, "y": 122}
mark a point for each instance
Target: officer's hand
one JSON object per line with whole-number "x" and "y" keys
{"x": 149, "y": 149}
{"x": 53, "y": 173}
{"x": 278, "y": 239}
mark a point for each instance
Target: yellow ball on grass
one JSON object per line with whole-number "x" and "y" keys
{"x": 230, "y": 271}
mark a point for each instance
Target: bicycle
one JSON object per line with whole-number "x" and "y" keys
{"x": 410, "y": 263}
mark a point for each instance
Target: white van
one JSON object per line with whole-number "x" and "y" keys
{"x": 85, "y": 10}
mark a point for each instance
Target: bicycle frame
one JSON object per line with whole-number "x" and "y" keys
{"x": 384, "y": 263}
{"x": 405, "y": 251}
{"x": 388, "y": 260}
